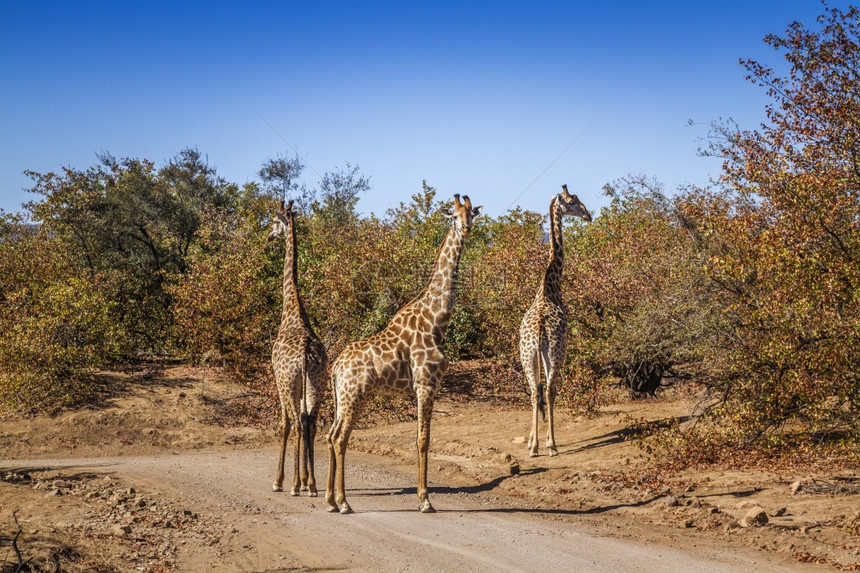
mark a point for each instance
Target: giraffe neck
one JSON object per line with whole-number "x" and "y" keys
{"x": 439, "y": 293}
{"x": 293, "y": 313}
{"x": 552, "y": 278}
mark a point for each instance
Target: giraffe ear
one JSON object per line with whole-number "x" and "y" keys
{"x": 477, "y": 210}
{"x": 283, "y": 218}
{"x": 448, "y": 213}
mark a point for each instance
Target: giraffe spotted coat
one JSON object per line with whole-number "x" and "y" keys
{"x": 543, "y": 331}
{"x": 405, "y": 357}
{"x": 300, "y": 366}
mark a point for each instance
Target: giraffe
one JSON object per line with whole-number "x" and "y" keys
{"x": 543, "y": 330}
{"x": 406, "y": 356}
{"x": 300, "y": 365}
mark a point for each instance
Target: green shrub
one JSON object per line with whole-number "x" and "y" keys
{"x": 59, "y": 327}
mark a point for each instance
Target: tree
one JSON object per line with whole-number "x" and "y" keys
{"x": 504, "y": 279}
{"x": 228, "y": 303}
{"x": 783, "y": 233}
{"x": 133, "y": 225}
{"x": 638, "y": 305}
{"x": 190, "y": 187}
{"x": 339, "y": 194}
{"x": 280, "y": 180}
{"x": 58, "y": 324}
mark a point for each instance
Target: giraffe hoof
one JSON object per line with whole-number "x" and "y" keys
{"x": 331, "y": 509}
{"x": 294, "y": 492}
{"x": 426, "y": 508}
{"x": 553, "y": 452}
{"x": 345, "y": 509}
{"x": 533, "y": 454}
{"x": 313, "y": 494}
{"x": 276, "y": 487}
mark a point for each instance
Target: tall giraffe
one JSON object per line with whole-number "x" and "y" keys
{"x": 300, "y": 364}
{"x": 543, "y": 331}
{"x": 406, "y": 356}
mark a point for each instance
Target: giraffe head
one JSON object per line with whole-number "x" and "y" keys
{"x": 570, "y": 205}
{"x": 282, "y": 221}
{"x": 463, "y": 213}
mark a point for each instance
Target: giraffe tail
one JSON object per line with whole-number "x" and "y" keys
{"x": 306, "y": 430}
{"x": 304, "y": 415}
{"x": 541, "y": 400}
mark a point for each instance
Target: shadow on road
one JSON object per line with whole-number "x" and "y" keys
{"x": 553, "y": 511}
{"x": 623, "y": 434}
{"x": 487, "y": 487}
{"x": 445, "y": 490}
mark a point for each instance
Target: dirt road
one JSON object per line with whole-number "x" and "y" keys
{"x": 243, "y": 526}
{"x": 157, "y": 480}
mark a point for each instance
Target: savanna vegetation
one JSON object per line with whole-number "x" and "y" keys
{"x": 747, "y": 290}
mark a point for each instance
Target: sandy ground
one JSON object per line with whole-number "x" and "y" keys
{"x": 151, "y": 483}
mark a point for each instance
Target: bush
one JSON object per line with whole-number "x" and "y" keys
{"x": 58, "y": 326}
{"x": 638, "y": 303}
{"x": 781, "y": 238}
{"x": 227, "y": 305}
{"x": 504, "y": 279}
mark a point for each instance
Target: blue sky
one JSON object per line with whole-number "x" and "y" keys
{"x": 476, "y": 98}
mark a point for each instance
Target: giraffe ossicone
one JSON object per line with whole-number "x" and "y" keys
{"x": 405, "y": 357}
{"x": 300, "y": 365}
{"x": 543, "y": 331}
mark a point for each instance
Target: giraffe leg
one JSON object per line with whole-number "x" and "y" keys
{"x": 310, "y": 431}
{"x": 332, "y": 467}
{"x": 553, "y": 361}
{"x": 336, "y": 490}
{"x": 531, "y": 368}
{"x": 340, "y": 454}
{"x": 303, "y": 455}
{"x": 297, "y": 460}
{"x": 285, "y": 434}
{"x": 550, "y": 430}
{"x": 533, "y": 434}
{"x": 425, "y": 410}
